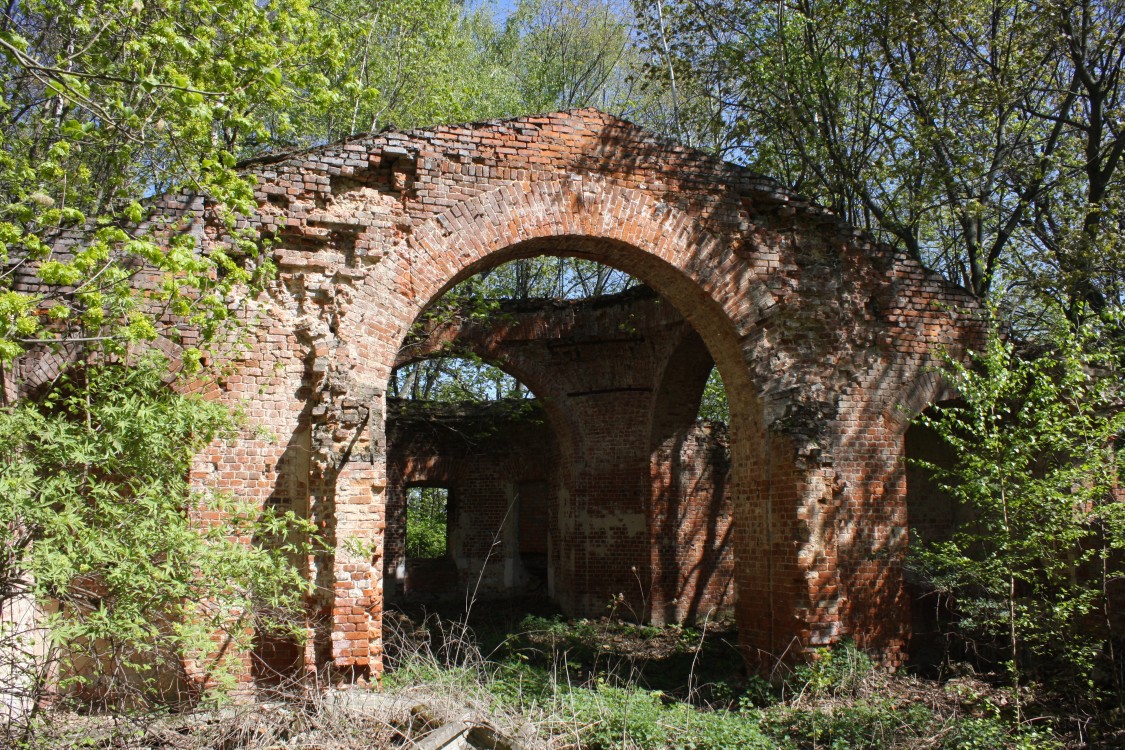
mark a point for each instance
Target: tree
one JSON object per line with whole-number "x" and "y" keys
{"x": 1076, "y": 224}
{"x": 99, "y": 522}
{"x": 1035, "y": 470}
{"x": 569, "y": 53}
{"x": 106, "y": 103}
{"x": 967, "y": 133}
{"x": 402, "y": 63}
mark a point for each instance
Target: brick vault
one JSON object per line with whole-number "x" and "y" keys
{"x": 826, "y": 342}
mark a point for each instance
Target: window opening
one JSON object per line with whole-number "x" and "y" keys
{"x": 427, "y": 523}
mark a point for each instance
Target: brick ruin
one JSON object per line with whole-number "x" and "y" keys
{"x": 618, "y": 381}
{"x": 826, "y": 342}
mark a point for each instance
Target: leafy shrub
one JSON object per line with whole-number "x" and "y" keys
{"x": 758, "y": 693}
{"x": 832, "y": 672}
{"x": 611, "y": 718}
{"x": 102, "y": 527}
{"x": 615, "y": 717}
{"x": 989, "y": 733}
{"x": 1035, "y": 442}
{"x": 717, "y": 730}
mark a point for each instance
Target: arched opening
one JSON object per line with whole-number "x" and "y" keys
{"x": 691, "y": 515}
{"x": 622, "y": 370}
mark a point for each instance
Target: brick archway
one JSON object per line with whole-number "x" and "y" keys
{"x": 818, "y": 333}
{"x": 720, "y": 294}
{"x": 824, "y": 339}
{"x": 669, "y": 250}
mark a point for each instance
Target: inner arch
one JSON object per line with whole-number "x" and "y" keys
{"x": 604, "y": 383}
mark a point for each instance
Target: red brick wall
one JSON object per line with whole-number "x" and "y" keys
{"x": 482, "y": 454}
{"x": 824, "y": 338}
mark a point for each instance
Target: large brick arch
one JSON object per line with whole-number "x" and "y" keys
{"x": 662, "y": 245}
{"x": 724, "y": 299}
{"x": 824, "y": 338}
{"x": 821, "y": 337}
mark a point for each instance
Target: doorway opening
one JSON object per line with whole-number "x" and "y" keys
{"x": 576, "y": 416}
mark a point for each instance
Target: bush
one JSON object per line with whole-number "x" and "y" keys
{"x": 717, "y": 730}
{"x": 1035, "y": 441}
{"x": 861, "y": 725}
{"x": 831, "y": 672}
{"x": 102, "y": 530}
{"x": 989, "y": 733}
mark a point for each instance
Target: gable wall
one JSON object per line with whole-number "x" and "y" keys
{"x": 825, "y": 341}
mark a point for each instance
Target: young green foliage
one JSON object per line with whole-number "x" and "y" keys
{"x": 106, "y": 102}
{"x": 1035, "y": 470}
{"x": 978, "y": 135}
{"x": 427, "y": 520}
{"x": 99, "y": 519}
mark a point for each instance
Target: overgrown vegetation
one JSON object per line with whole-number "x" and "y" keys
{"x": 586, "y": 683}
{"x": 436, "y": 682}
{"x": 608, "y": 684}
{"x": 984, "y": 137}
{"x": 1036, "y": 464}
{"x": 132, "y": 570}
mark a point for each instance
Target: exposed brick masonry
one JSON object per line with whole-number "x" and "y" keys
{"x": 620, "y": 379}
{"x": 825, "y": 341}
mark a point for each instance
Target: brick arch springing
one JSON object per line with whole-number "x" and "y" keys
{"x": 534, "y": 378}
{"x": 534, "y": 381}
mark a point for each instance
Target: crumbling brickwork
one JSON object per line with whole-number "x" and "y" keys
{"x": 825, "y": 340}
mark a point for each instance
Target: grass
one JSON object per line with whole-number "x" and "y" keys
{"x": 595, "y": 684}
{"x": 604, "y": 683}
